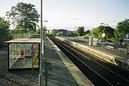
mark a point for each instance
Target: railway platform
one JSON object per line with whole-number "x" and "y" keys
{"x": 121, "y": 58}
{"x": 60, "y": 71}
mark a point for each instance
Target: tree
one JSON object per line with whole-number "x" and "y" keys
{"x": 80, "y": 31}
{"x": 4, "y": 31}
{"x": 13, "y": 33}
{"x": 44, "y": 30}
{"x": 54, "y": 32}
{"x": 97, "y": 32}
{"x": 109, "y": 32}
{"x": 38, "y": 31}
{"x": 122, "y": 29}
{"x": 87, "y": 32}
{"x": 24, "y": 16}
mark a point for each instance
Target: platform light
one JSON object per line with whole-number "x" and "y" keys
{"x": 41, "y": 47}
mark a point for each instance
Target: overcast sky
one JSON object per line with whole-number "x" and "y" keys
{"x": 72, "y": 13}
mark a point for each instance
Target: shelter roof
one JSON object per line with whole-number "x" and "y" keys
{"x": 25, "y": 40}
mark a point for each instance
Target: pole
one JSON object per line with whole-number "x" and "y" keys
{"x": 103, "y": 35}
{"x": 41, "y": 48}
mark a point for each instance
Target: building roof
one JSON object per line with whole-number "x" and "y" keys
{"x": 25, "y": 40}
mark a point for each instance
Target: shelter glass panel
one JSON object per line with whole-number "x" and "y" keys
{"x": 23, "y": 55}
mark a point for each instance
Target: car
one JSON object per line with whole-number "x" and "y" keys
{"x": 100, "y": 43}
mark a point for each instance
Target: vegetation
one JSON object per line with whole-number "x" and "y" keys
{"x": 61, "y": 32}
{"x": 80, "y": 31}
{"x": 4, "y": 31}
{"x": 24, "y": 16}
{"x": 53, "y": 32}
{"x": 122, "y": 29}
{"x": 97, "y": 32}
{"x": 87, "y": 32}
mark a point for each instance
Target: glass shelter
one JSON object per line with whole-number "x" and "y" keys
{"x": 23, "y": 53}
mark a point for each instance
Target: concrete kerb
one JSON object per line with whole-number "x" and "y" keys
{"x": 107, "y": 57}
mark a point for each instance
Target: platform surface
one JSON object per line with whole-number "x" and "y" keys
{"x": 60, "y": 70}
{"x": 122, "y": 58}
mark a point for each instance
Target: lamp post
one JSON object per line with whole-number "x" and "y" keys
{"x": 41, "y": 49}
{"x": 42, "y": 67}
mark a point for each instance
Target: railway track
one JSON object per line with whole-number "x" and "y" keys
{"x": 99, "y": 73}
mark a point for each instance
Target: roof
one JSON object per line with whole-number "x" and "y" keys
{"x": 25, "y": 40}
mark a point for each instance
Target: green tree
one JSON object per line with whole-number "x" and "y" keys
{"x": 4, "y": 31}
{"x": 109, "y": 32}
{"x": 38, "y": 31}
{"x": 87, "y": 32}
{"x": 97, "y": 32}
{"x": 14, "y": 31}
{"x": 122, "y": 29}
{"x": 54, "y": 32}
{"x": 24, "y": 16}
{"x": 80, "y": 31}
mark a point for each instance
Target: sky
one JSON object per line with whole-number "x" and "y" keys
{"x": 68, "y": 14}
